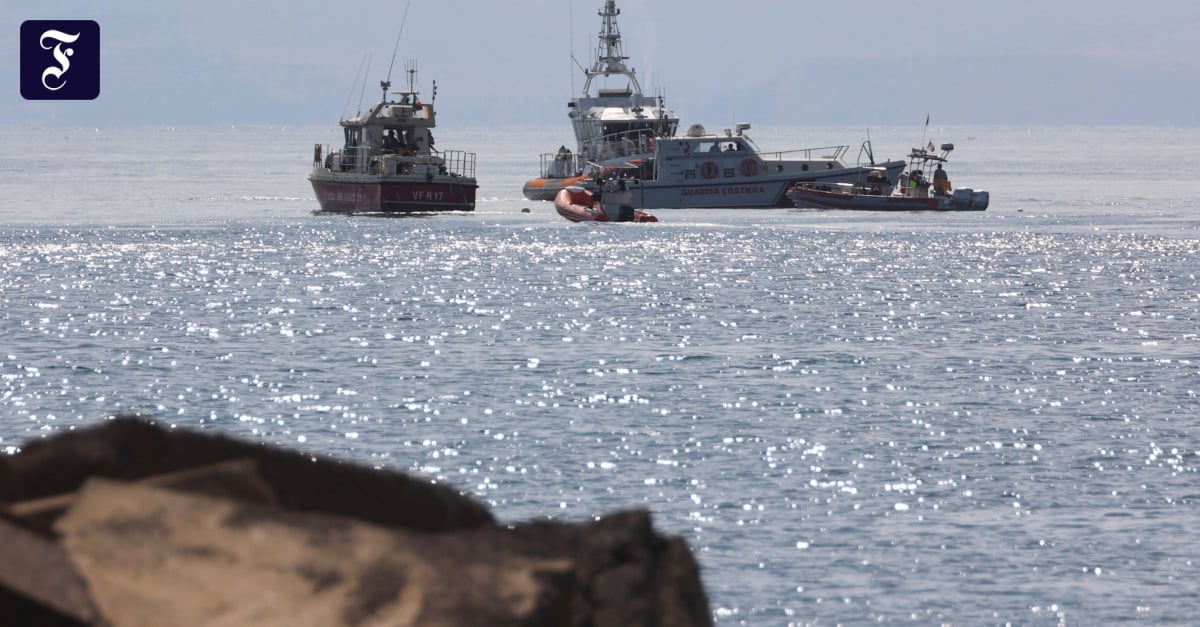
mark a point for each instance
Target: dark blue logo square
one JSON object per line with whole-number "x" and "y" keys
{"x": 60, "y": 60}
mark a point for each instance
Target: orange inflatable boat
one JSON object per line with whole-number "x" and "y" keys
{"x": 579, "y": 205}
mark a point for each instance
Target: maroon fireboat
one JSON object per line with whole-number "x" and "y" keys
{"x": 388, "y": 163}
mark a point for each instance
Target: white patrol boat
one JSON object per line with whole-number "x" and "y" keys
{"x": 699, "y": 170}
{"x": 614, "y": 120}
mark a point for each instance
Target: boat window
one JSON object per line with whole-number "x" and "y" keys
{"x": 620, "y": 128}
{"x": 708, "y": 147}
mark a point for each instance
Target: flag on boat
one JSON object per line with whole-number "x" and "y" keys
{"x": 930, "y": 147}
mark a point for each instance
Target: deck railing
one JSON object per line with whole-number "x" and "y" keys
{"x": 561, "y": 165}
{"x": 459, "y": 163}
{"x": 564, "y": 163}
{"x": 365, "y": 160}
{"x": 823, "y": 152}
{"x": 617, "y": 145}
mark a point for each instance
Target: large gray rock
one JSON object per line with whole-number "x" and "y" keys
{"x": 131, "y": 448}
{"x": 130, "y": 524}
{"x": 159, "y": 557}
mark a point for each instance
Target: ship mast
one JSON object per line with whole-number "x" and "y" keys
{"x": 609, "y": 57}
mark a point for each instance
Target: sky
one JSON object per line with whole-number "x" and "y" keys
{"x": 769, "y": 62}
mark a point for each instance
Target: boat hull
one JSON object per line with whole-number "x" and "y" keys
{"x": 761, "y": 192}
{"x": 546, "y": 188}
{"x": 578, "y": 205}
{"x": 397, "y": 195}
{"x": 961, "y": 200}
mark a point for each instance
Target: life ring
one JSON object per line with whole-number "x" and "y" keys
{"x": 749, "y": 167}
{"x": 709, "y": 169}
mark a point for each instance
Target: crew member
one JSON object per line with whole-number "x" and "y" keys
{"x": 918, "y": 187}
{"x": 390, "y": 142}
{"x": 941, "y": 182}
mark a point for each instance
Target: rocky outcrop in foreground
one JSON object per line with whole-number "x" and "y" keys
{"x": 129, "y": 524}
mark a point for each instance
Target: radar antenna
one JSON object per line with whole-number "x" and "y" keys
{"x": 410, "y": 67}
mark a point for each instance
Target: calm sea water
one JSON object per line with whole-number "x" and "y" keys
{"x": 851, "y": 417}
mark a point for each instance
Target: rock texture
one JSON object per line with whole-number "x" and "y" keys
{"x": 129, "y": 524}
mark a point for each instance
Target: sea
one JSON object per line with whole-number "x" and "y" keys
{"x": 850, "y": 417}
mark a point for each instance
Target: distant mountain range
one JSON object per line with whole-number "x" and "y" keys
{"x": 209, "y": 89}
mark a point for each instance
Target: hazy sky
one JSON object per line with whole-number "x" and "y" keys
{"x": 769, "y": 62}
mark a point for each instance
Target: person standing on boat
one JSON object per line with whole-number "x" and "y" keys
{"x": 941, "y": 182}
{"x": 391, "y": 143}
{"x": 918, "y": 187}
{"x": 560, "y": 162}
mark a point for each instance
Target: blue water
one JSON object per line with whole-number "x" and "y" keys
{"x": 851, "y": 417}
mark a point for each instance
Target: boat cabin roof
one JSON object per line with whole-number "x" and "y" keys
{"x": 403, "y": 111}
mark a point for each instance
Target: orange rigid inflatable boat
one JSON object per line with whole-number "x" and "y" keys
{"x": 546, "y": 187}
{"x": 579, "y": 205}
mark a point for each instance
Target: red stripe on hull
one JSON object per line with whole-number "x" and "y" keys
{"x": 400, "y": 197}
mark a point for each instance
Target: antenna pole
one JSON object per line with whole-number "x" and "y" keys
{"x": 364, "y": 85}
{"x": 403, "y": 19}
{"x": 411, "y": 68}
{"x": 571, "y": 30}
{"x": 356, "y": 77}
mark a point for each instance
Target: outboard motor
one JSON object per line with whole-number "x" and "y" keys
{"x": 961, "y": 199}
{"x": 626, "y": 213}
{"x": 616, "y": 197}
{"x": 979, "y": 200}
